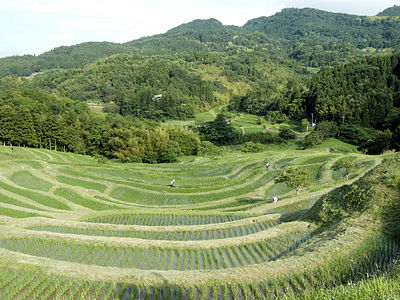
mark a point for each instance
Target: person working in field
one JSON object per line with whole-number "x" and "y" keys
{"x": 172, "y": 183}
{"x": 267, "y": 166}
{"x": 274, "y": 199}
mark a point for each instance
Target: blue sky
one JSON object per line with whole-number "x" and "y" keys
{"x": 36, "y": 26}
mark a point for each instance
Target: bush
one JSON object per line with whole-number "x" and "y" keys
{"x": 294, "y": 178}
{"x": 188, "y": 141}
{"x": 345, "y": 163}
{"x": 208, "y": 148}
{"x": 312, "y": 139}
{"x": 220, "y": 131}
{"x": 354, "y": 134}
{"x": 328, "y": 129}
{"x": 111, "y": 108}
{"x": 276, "y": 117}
{"x": 258, "y": 137}
{"x": 305, "y": 125}
{"x": 286, "y": 133}
{"x": 345, "y": 201}
{"x": 379, "y": 143}
{"x": 169, "y": 153}
{"x": 251, "y": 147}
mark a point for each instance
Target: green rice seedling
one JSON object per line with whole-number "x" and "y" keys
{"x": 131, "y": 195}
{"x": 27, "y": 180}
{"x": 277, "y": 189}
{"x": 81, "y": 183}
{"x": 302, "y": 205}
{"x": 12, "y": 201}
{"x": 152, "y": 219}
{"x": 316, "y": 159}
{"x": 36, "y": 197}
{"x": 4, "y": 211}
{"x": 31, "y": 163}
{"x": 282, "y": 163}
{"x": 76, "y": 198}
{"x": 186, "y": 185}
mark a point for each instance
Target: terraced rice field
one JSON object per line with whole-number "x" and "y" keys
{"x": 74, "y": 228}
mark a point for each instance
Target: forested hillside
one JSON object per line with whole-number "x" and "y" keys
{"x": 60, "y": 58}
{"x": 361, "y": 94}
{"x": 364, "y": 92}
{"x": 314, "y": 26}
{"x": 391, "y": 11}
{"x": 184, "y": 83}
{"x": 32, "y": 118}
{"x": 312, "y": 37}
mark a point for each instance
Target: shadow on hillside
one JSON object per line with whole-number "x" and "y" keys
{"x": 391, "y": 217}
{"x": 249, "y": 200}
{"x": 323, "y": 235}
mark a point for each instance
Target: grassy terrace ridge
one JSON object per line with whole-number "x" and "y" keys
{"x": 75, "y": 228}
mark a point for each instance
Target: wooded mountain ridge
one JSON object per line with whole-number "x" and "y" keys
{"x": 312, "y": 37}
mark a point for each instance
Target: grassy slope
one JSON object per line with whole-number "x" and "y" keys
{"x": 85, "y": 186}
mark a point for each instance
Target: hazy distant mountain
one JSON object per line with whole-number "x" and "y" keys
{"x": 313, "y": 25}
{"x": 210, "y": 24}
{"x": 312, "y": 37}
{"x": 391, "y": 11}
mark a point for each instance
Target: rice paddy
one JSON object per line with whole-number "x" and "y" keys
{"x": 76, "y": 228}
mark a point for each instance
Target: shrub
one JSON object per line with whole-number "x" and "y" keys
{"x": 208, "y": 148}
{"x": 189, "y": 142}
{"x": 294, "y": 178}
{"x": 111, "y": 108}
{"x": 354, "y": 134}
{"x": 276, "y": 117}
{"x": 251, "y": 147}
{"x": 380, "y": 142}
{"x": 286, "y": 133}
{"x": 328, "y": 129}
{"x": 342, "y": 202}
{"x": 312, "y": 139}
{"x": 305, "y": 125}
{"x": 220, "y": 131}
{"x": 258, "y": 137}
{"x": 169, "y": 153}
{"x": 344, "y": 163}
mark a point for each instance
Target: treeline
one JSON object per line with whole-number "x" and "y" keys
{"x": 31, "y": 118}
{"x": 35, "y": 119}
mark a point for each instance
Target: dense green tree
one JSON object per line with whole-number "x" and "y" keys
{"x": 345, "y": 163}
{"x": 312, "y": 139}
{"x": 35, "y": 119}
{"x": 189, "y": 143}
{"x": 220, "y": 131}
{"x": 251, "y": 147}
{"x": 305, "y": 125}
{"x": 328, "y": 129}
{"x": 380, "y": 142}
{"x": 362, "y": 92}
{"x": 294, "y": 178}
{"x": 286, "y": 133}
